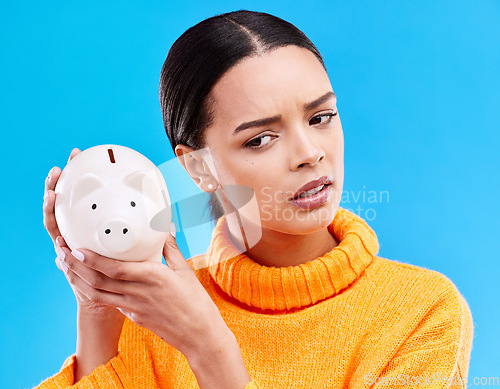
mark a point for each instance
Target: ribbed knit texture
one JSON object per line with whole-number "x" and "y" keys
{"x": 347, "y": 319}
{"x": 279, "y": 288}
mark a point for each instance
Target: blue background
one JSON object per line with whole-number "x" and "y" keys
{"x": 418, "y": 94}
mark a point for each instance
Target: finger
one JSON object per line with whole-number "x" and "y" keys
{"x": 58, "y": 263}
{"x": 52, "y": 177}
{"x": 133, "y": 272}
{"x": 173, "y": 256}
{"x": 139, "y": 271}
{"x": 93, "y": 278}
{"x": 74, "y": 153}
{"x": 125, "y": 312}
{"x": 49, "y": 216}
{"x": 49, "y": 219}
{"x": 55, "y": 172}
{"x": 61, "y": 242}
{"x": 95, "y": 295}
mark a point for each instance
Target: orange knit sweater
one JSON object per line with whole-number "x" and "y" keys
{"x": 348, "y": 319}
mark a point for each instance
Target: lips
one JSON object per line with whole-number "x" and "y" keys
{"x": 324, "y": 180}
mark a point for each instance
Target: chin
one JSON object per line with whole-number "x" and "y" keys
{"x": 298, "y": 221}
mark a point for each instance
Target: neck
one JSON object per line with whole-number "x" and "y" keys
{"x": 278, "y": 249}
{"x": 288, "y": 287}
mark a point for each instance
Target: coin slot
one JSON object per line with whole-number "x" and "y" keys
{"x": 111, "y": 155}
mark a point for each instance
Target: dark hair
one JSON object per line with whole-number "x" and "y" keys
{"x": 199, "y": 58}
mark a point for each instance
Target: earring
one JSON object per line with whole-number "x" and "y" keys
{"x": 210, "y": 186}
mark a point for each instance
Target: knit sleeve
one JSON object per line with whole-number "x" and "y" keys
{"x": 437, "y": 353}
{"x": 112, "y": 374}
{"x": 253, "y": 385}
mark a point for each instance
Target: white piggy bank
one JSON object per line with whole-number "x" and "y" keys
{"x": 114, "y": 201}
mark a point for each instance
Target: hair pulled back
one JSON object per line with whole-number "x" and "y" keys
{"x": 199, "y": 58}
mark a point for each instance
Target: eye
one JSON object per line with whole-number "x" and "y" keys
{"x": 251, "y": 143}
{"x": 319, "y": 118}
{"x": 94, "y": 206}
{"x": 132, "y": 204}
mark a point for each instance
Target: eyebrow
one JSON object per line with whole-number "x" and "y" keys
{"x": 263, "y": 122}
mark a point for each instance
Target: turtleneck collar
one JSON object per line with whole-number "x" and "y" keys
{"x": 285, "y": 288}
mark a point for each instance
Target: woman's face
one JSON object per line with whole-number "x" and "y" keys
{"x": 301, "y": 141}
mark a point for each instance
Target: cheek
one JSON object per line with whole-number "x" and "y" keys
{"x": 238, "y": 170}
{"x": 226, "y": 172}
{"x": 339, "y": 134}
{"x": 335, "y": 143}
{"x": 273, "y": 198}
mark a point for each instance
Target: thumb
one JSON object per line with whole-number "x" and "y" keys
{"x": 173, "y": 256}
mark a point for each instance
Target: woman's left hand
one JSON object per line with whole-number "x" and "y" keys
{"x": 168, "y": 300}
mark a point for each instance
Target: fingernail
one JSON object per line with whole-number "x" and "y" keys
{"x": 50, "y": 173}
{"x": 77, "y": 254}
{"x": 69, "y": 159}
{"x": 64, "y": 267}
{"x": 45, "y": 197}
{"x": 172, "y": 229}
{"x": 60, "y": 253}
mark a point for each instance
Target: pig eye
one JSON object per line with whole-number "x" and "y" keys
{"x": 132, "y": 204}
{"x": 94, "y": 206}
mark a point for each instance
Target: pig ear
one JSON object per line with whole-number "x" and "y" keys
{"x": 145, "y": 183}
{"x": 85, "y": 185}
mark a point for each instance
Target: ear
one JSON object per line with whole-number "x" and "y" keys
{"x": 145, "y": 183}
{"x": 194, "y": 163}
{"x": 85, "y": 185}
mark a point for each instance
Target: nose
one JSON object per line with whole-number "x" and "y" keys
{"x": 116, "y": 236}
{"x": 305, "y": 150}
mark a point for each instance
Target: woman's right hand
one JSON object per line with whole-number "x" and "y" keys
{"x": 49, "y": 221}
{"x": 98, "y": 326}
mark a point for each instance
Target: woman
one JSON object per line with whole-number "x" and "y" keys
{"x": 291, "y": 292}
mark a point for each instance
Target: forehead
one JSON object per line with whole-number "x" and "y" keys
{"x": 285, "y": 77}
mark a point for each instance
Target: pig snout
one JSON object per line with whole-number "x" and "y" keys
{"x": 116, "y": 236}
